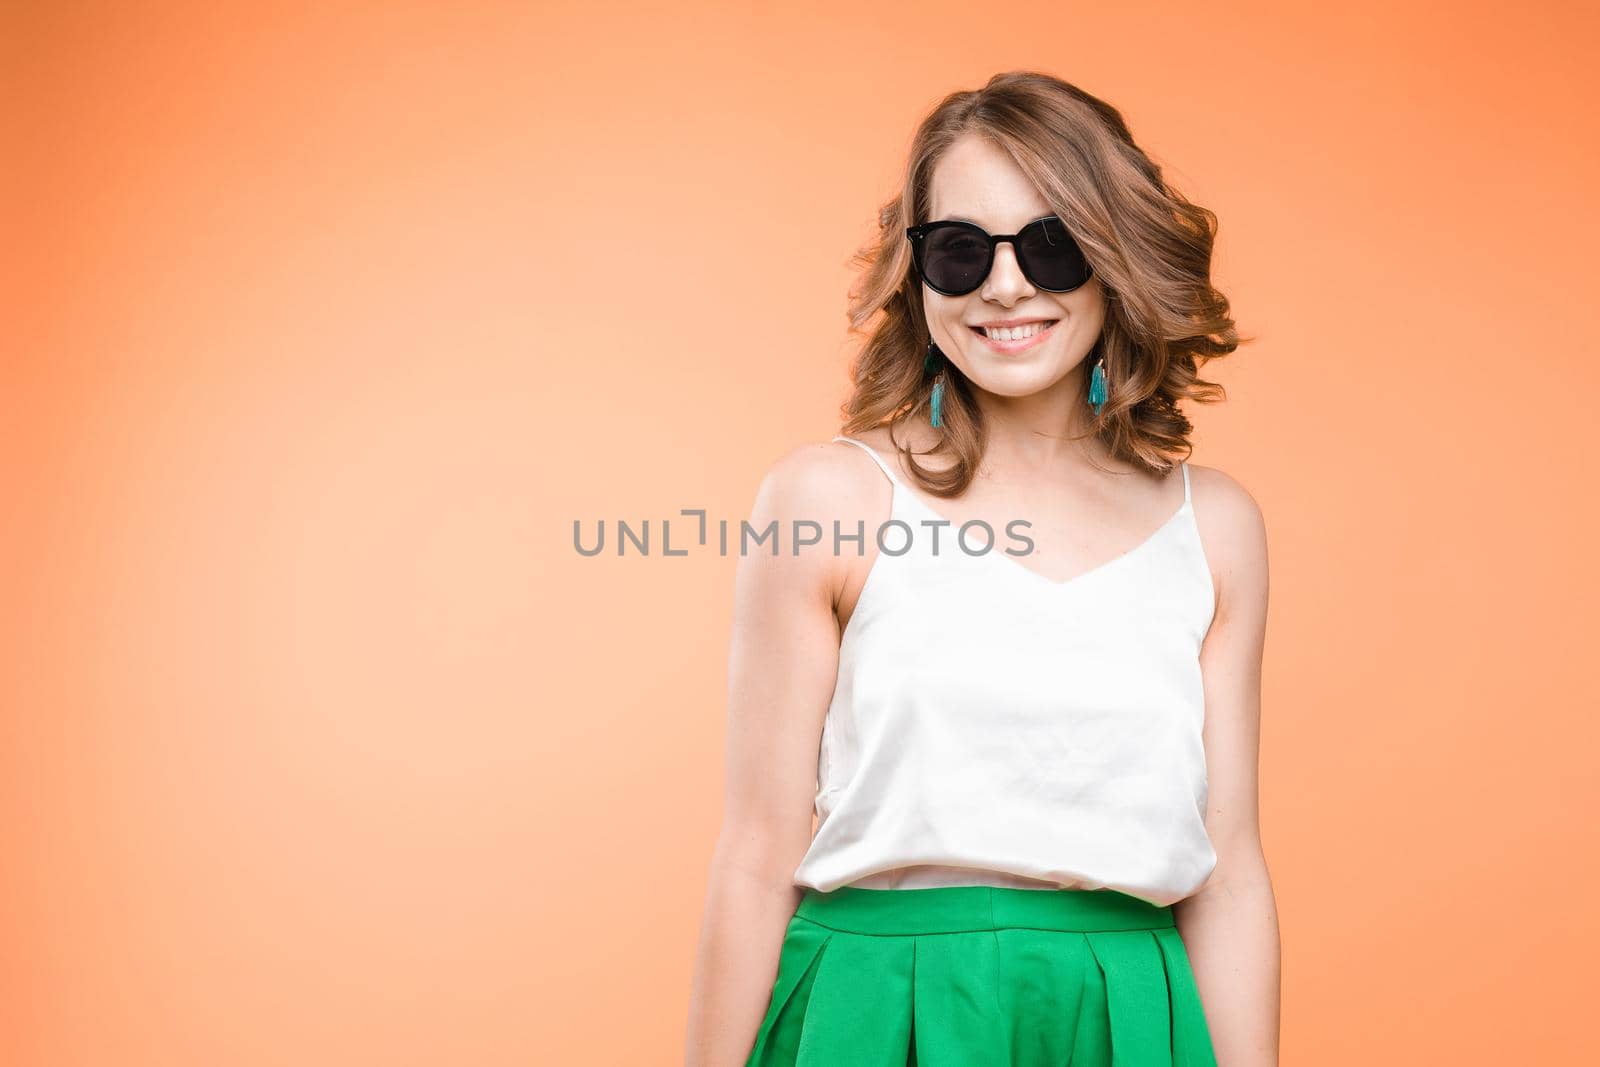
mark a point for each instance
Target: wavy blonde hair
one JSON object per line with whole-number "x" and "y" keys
{"x": 1149, "y": 246}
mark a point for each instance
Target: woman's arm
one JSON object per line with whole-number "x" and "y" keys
{"x": 1230, "y": 926}
{"x": 783, "y": 665}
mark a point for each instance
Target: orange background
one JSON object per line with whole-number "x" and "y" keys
{"x": 323, "y": 745}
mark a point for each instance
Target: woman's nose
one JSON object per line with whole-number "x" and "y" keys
{"x": 1005, "y": 276}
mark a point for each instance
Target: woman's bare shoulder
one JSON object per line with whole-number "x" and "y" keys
{"x": 815, "y": 479}
{"x": 1233, "y": 529}
{"x": 804, "y": 493}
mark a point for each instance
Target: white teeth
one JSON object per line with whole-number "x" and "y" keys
{"x": 1014, "y": 333}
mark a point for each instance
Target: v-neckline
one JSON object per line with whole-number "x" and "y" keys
{"x": 1056, "y": 583}
{"x": 899, "y": 489}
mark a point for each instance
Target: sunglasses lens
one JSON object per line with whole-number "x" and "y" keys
{"x": 954, "y": 258}
{"x": 1053, "y": 258}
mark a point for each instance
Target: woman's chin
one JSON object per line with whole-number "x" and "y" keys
{"x": 1014, "y": 378}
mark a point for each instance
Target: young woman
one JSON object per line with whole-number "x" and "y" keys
{"x": 1023, "y": 697}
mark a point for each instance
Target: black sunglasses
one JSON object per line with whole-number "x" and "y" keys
{"x": 954, "y": 258}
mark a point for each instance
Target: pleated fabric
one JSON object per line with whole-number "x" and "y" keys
{"x": 979, "y": 976}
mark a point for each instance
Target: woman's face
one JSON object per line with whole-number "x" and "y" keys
{"x": 976, "y": 182}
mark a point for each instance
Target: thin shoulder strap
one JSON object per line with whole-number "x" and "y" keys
{"x": 1186, "y": 483}
{"x": 873, "y": 452}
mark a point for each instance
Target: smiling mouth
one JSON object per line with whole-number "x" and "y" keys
{"x": 1015, "y": 333}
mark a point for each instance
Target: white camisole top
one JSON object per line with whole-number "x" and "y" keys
{"x": 991, "y": 726}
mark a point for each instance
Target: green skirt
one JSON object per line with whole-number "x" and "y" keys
{"x": 974, "y": 976}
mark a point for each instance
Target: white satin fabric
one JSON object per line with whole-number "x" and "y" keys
{"x": 991, "y": 726}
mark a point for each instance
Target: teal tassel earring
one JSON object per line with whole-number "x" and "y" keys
{"x": 931, "y": 365}
{"x": 1097, "y": 385}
